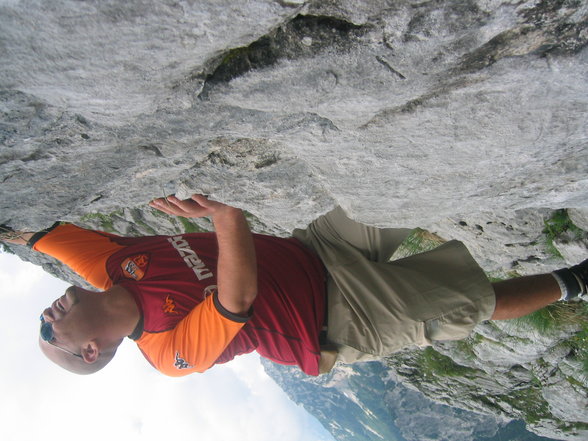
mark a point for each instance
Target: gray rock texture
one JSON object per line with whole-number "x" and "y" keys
{"x": 464, "y": 117}
{"x": 401, "y": 111}
{"x": 509, "y": 370}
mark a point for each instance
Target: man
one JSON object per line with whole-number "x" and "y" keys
{"x": 191, "y": 301}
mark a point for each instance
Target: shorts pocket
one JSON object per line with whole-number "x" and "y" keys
{"x": 454, "y": 325}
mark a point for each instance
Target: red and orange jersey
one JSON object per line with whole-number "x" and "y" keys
{"x": 85, "y": 253}
{"x": 184, "y": 327}
{"x": 182, "y": 351}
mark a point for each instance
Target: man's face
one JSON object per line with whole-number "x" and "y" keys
{"x": 67, "y": 317}
{"x": 76, "y": 326}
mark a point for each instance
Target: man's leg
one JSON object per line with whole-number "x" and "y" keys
{"x": 377, "y": 244}
{"x": 524, "y": 295}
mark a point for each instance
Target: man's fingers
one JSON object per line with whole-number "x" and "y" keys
{"x": 158, "y": 206}
{"x": 189, "y": 207}
{"x": 197, "y": 206}
{"x": 166, "y": 206}
{"x": 200, "y": 199}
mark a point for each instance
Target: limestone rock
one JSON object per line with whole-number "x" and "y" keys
{"x": 579, "y": 217}
{"x": 403, "y": 113}
{"x": 573, "y": 249}
{"x": 465, "y": 117}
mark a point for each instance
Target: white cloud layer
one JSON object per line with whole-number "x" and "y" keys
{"x": 128, "y": 399}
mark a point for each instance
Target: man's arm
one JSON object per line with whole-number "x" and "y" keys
{"x": 15, "y": 237}
{"x": 84, "y": 251}
{"x": 237, "y": 267}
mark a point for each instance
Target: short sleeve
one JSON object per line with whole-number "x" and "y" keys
{"x": 195, "y": 343}
{"x": 84, "y": 251}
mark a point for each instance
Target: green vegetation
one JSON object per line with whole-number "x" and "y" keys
{"x": 527, "y": 400}
{"x": 562, "y": 314}
{"x": 104, "y": 220}
{"x": 555, "y": 226}
{"x": 256, "y": 224}
{"x": 418, "y": 241}
{"x": 251, "y": 217}
{"x": 158, "y": 213}
{"x": 579, "y": 342}
{"x": 181, "y": 224}
{"x": 553, "y": 317}
{"x": 144, "y": 226}
{"x": 190, "y": 227}
{"x": 466, "y": 346}
{"x": 432, "y": 363}
{"x": 500, "y": 276}
{"x": 556, "y": 316}
{"x": 573, "y": 427}
{"x": 530, "y": 402}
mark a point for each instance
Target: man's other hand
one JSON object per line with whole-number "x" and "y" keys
{"x": 197, "y": 206}
{"x": 237, "y": 266}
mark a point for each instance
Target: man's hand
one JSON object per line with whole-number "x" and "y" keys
{"x": 237, "y": 267}
{"x": 197, "y": 206}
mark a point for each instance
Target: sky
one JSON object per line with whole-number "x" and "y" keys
{"x": 128, "y": 399}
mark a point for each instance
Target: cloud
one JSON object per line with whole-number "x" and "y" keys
{"x": 17, "y": 279}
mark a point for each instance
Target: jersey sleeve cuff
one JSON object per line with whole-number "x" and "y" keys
{"x": 40, "y": 234}
{"x": 228, "y": 314}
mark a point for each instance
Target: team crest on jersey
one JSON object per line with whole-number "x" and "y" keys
{"x": 135, "y": 267}
{"x": 181, "y": 363}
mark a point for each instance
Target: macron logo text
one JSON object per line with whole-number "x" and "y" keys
{"x": 190, "y": 257}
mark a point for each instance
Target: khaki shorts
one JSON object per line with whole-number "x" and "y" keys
{"x": 377, "y": 306}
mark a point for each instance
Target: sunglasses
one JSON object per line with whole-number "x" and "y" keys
{"x": 47, "y": 335}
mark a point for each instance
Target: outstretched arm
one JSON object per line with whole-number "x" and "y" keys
{"x": 15, "y": 237}
{"x": 84, "y": 251}
{"x": 237, "y": 267}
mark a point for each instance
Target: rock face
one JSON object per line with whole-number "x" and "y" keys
{"x": 466, "y": 117}
{"x": 402, "y": 112}
{"x": 507, "y": 370}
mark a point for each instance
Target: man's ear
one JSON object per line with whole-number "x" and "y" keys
{"x": 90, "y": 352}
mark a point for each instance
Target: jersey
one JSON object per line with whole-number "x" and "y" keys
{"x": 184, "y": 328}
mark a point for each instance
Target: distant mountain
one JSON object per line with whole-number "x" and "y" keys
{"x": 363, "y": 403}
